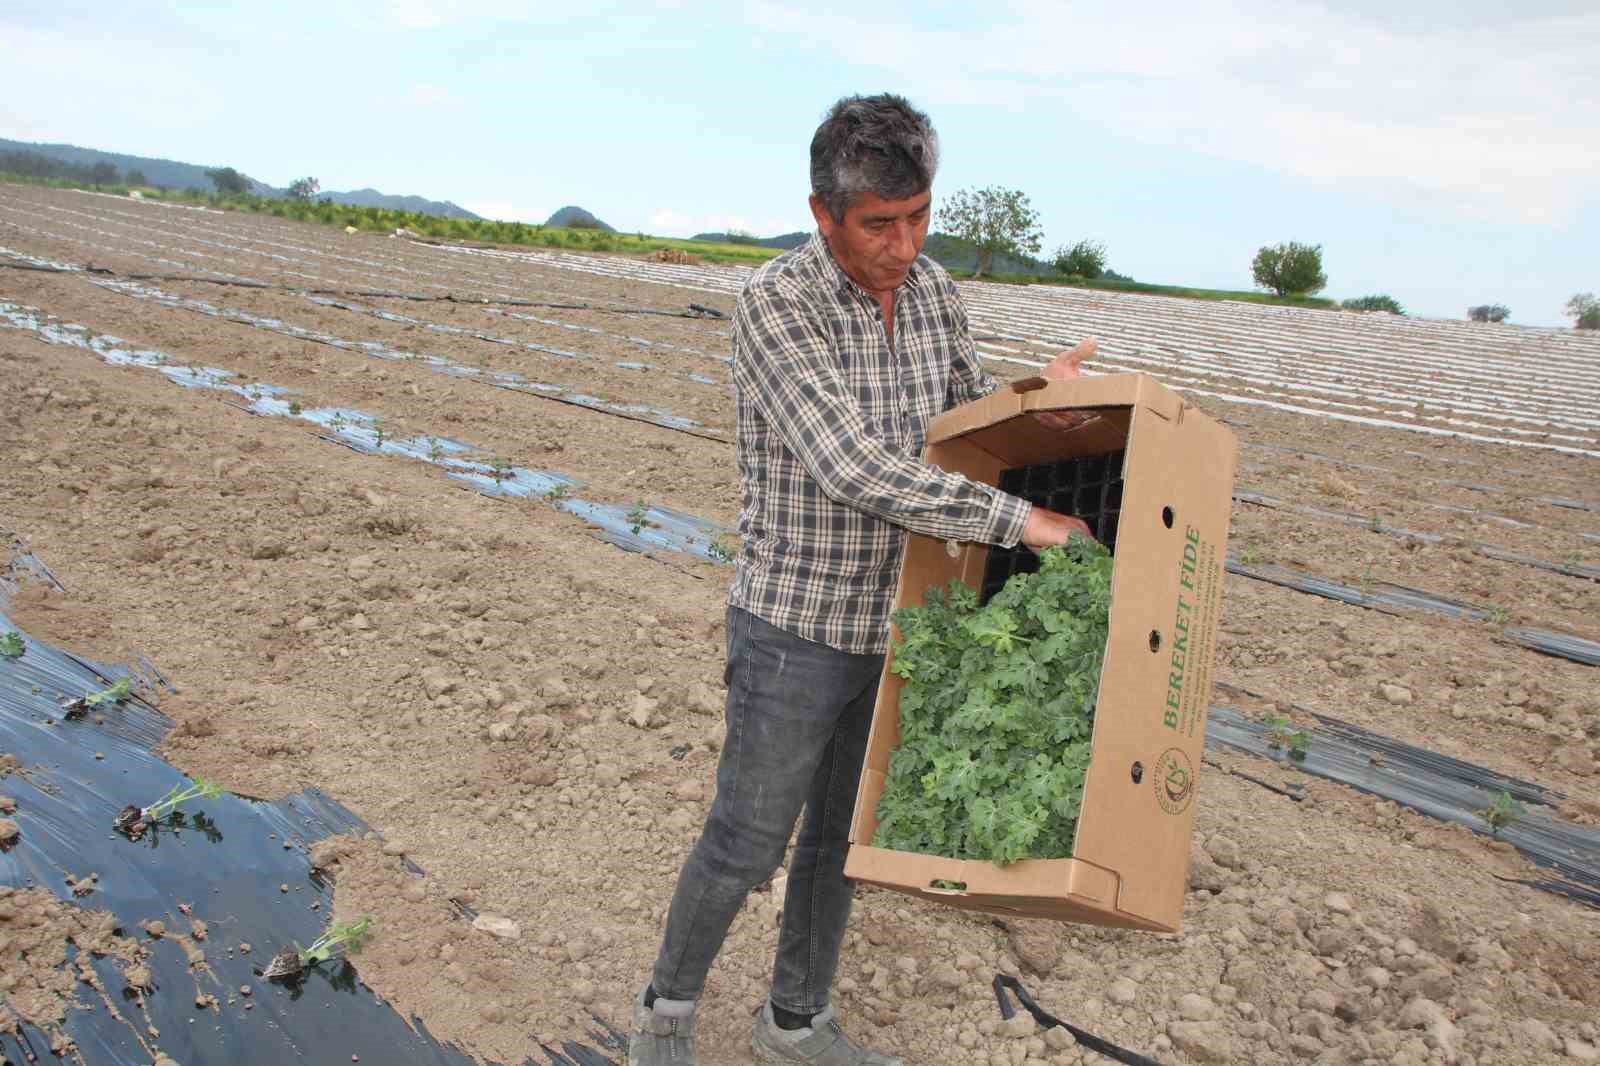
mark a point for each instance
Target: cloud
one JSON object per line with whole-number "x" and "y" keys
{"x": 426, "y": 94}
{"x": 431, "y": 14}
{"x": 1495, "y": 121}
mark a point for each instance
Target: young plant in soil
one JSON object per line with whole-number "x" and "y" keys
{"x": 435, "y": 449}
{"x": 116, "y": 693}
{"x": 723, "y": 549}
{"x": 11, "y": 646}
{"x": 342, "y": 938}
{"x": 500, "y": 469}
{"x": 637, "y": 519}
{"x": 133, "y": 820}
{"x": 557, "y": 493}
{"x": 1501, "y": 813}
{"x": 295, "y": 408}
{"x": 1280, "y": 735}
{"x": 997, "y": 713}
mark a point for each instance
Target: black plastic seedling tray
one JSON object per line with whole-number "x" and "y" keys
{"x": 1088, "y": 487}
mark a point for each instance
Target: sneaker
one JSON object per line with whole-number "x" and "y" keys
{"x": 823, "y": 1044}
{"x": 663, "y": 1033}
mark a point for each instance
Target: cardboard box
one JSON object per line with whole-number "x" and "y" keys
{"x": 1131, "y": 853}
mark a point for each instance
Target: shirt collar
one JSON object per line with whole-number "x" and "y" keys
{"x": 845, "y": 283}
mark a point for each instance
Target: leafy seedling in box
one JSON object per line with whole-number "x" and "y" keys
{"x": 342, "y": 938}
{"x": 116, "y": 693}
{"x": 997, "y": 712}
{"x": 1502, "y": 812}
{"x": 132, "y": 820}
{"x": 11, "y": 646}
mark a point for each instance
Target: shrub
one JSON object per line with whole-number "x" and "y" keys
{"x": 1489, "y": 313}
{"x": 1374, "y": 303}
{"x": 1585, "y": 309}
{"x": 1086, "y": 259}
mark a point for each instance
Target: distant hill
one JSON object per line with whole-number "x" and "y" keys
{"x": 577, "y": 218}
{"x": 784, "y": 241}
{"x": 388, "y": 201}
{"x": 175, "y": 175}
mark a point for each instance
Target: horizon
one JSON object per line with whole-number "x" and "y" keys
{"x": 1444, "y": 156}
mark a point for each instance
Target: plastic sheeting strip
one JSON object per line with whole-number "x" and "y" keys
{"x": 1436, "y": 785}
{"x": 1377, "y": 525}
{"x": 1383, "y": 596}
{"x": 641, "y": 529}
{"x": 224, "y": 860}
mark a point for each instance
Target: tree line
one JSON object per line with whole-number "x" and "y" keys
{"x": 998, "y": 220}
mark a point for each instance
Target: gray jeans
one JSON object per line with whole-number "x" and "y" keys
{"x": 798, "y": 714}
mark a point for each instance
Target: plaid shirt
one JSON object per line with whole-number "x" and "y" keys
{"x": 831, "y": 425}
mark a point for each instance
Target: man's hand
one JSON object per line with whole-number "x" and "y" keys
{"x": 1046, "y": 529}
{"x": 1064, "y": 367}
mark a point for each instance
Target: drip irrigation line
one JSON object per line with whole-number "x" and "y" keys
{"x": 1004, "y": 983}
{"x": 1293, "y": 793}
{"x": 696, "y": 311}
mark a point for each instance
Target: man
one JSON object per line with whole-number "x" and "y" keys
{"x": 844, "y": 349}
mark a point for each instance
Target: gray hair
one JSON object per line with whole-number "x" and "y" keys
{"x": 878, "y": 144}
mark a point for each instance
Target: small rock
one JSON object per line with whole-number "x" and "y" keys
{"x": 1398, "y": 695}
{"x": 1575, "y": 761}
{"x": 1194, "y": 1007}
{"x": 692, "y": 791}
{"x": 1202, "y": 1041}
{"x": 1019, "y": 1026}
{"x": 1375, "y": 977}
{"x": 436, "y": 681}
{"x": 1037, "y": 945}
{"x": 682, "y": 818}
{"x": 1420, "y": 1013}
{"x": 1537, "y": 1033}
{"x": 1338, "y": 903}
{"x": 498, "y": 926}
{"x": 1057, "y": 1038}
{"x": 8, "y": 831}
{"x": 1582, "y": 1050}
{"x": 1224, "y": 852}
{"x": 1122, "y": 991}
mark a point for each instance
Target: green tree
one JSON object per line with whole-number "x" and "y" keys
{"x": 1489, "y": 313}
{"x": 229, "y": 181}
{"x": 1374, "y": 303}
{"x": 1585, "y": 308}
{"x": 1290, "y": 268}
{"x": 1086, "y": 259}
{"x": 993, "y": 220}
{"x": 103, "y": 173}
{"x": 303, "y": 188}
{"x": 136, "y": 177}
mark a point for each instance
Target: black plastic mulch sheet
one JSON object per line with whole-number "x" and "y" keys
{"x": 224, "y": 858}
{"x": 1382, "y": 595}
{"x": 1437, "y": 785}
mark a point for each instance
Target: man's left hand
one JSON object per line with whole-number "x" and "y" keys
{"x": 1064, "y": 367}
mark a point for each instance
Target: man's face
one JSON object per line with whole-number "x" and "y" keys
{"x": 877, "y": 240}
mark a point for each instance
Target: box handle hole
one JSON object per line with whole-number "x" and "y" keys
{"x": 1138, "y": 772}
{"x": 1155, "y": 640}
{"x": 950, "y": 887}
{"x": 1166, "y": 517}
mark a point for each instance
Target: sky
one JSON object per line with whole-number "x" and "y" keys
{"x": 1447, "y": 154}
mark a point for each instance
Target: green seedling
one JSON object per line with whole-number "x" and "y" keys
{"x": 1248, "y": 558}
{"x": 1498, "y": 615}
{"x": 557, "y": 493}
{"x": 500, "y": 469}
{"x": 342, "y": 938}
{"x": 11, "y": 646}
{"x": 1502, "y": 812}
{"x": 722, "y": 549}
{"x": 380, "y": 431}
{"x": 435, "y": 449}
{"x": 637, "y": 519}
{"x": 1376, "y": 523}
{"x": 133, "y": 820}
{"x": 115, "y": 693}
{"x": 1299, "y": 744}
{"x": 294, "y": 407}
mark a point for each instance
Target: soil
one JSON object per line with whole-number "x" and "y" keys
{"x": 532, "y": 715}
